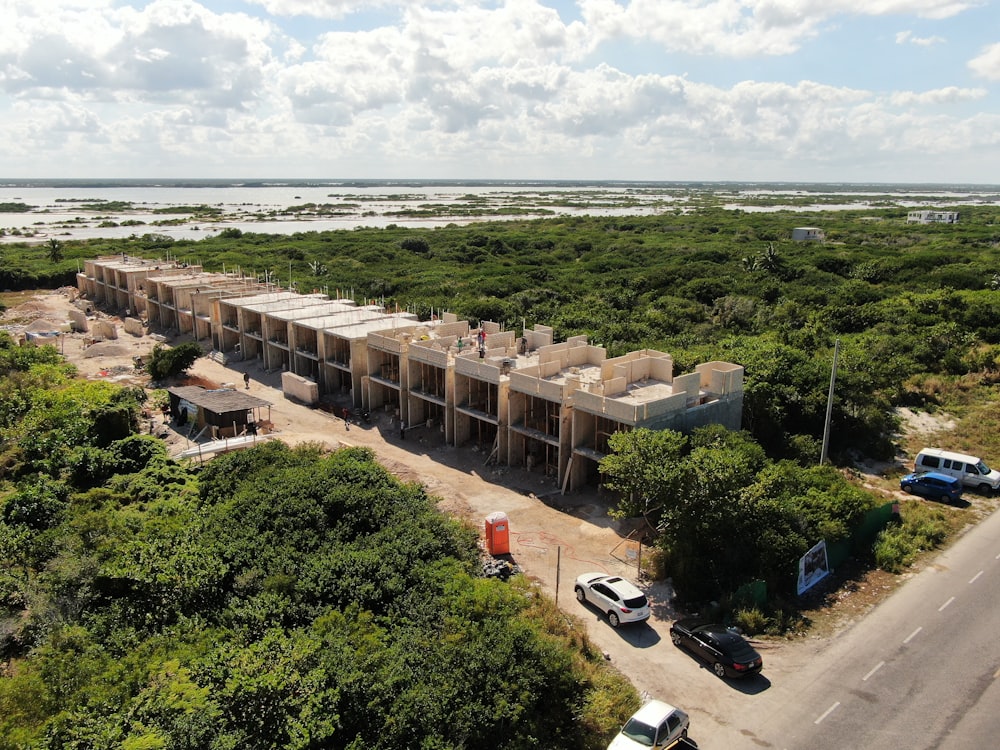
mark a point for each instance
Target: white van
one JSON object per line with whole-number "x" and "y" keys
{"x": 972, "y": 471}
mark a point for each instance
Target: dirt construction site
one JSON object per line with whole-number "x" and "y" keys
{"x": 553, "y": 537}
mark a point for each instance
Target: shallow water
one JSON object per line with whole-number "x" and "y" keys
{"x": 57, "y": 208}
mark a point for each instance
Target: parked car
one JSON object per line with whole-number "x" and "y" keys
{"x": 620, "y": 600}
{"x": 971, "y": 470}
{"x": 725, "y": 649}
{"x": 934, "y": 485}
{"x": 656, "y": 725}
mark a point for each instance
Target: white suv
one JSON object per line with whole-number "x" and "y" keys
{"x": 619, "y": 599}
{"x": 655, "y": 725}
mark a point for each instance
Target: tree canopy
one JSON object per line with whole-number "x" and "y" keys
{"x": 277, "y": 598}
{"x": 724, "y": 514}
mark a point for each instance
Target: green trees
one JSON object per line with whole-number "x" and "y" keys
{"x": 725, "y": 514}
{"x": 706, "y": 284}
{"x": 281, "y": 598}
{"x": 645, "y": 467}
{"x": 166, "y": 362}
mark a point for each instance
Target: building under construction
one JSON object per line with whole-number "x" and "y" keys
{"x": 523, "y": 399}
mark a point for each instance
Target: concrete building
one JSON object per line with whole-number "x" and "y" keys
{"x": 117, "y": 282}
{"x": 808, "y": 234}
{"x": 932, "y": 217}
{"x": 522, "y": 400}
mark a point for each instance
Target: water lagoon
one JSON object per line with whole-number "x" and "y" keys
{"x": 36, "y": 211}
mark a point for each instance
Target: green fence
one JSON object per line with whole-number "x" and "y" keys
{"x": 753, "y": 593}
{"x": 862, "y": 538}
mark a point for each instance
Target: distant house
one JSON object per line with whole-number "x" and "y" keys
{"x": 932, "y": 217}
{"x": 807, "y": 234}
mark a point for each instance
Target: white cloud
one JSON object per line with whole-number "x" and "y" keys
{"x": 987, "y": 63}
{"x": 464, "y": 88}
{"x": 168, "y": 49}
{"x": 330, "y": 9}
{"x": 904, "y": 37}
{"x": 742, "y": 28}
{"x": 947, "y": 95}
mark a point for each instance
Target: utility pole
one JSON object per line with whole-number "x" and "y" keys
{"x": 829, "y": 404}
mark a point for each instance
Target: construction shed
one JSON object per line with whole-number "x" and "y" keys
{"x": 223, "y": 413}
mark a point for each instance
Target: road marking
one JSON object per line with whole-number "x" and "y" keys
{"x": 973, "y": 579}
{"x": 946, "y": 604}
{"x": 826, "y": 713}
{"x": 912, "y": 635}
{"x": 874, "y": 669}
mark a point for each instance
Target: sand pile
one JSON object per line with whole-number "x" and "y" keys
{"x": 107, "y": 349}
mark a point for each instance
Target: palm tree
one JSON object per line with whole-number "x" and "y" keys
{"x": 770, "y": 260}
{"x": 55, "y": 250}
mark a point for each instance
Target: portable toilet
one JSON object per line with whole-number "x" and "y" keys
{"x": 497, "y": 534}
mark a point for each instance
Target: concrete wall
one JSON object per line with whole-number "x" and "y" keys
{"x": 78, "y": 321}
{"x": 134, "y": 326}
{"x": 105, "y": 330}
{"x": 300, "y": 388}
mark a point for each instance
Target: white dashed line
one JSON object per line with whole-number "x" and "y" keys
{"x": 912, "y": 635}
{"x": 973, "y": 579}
{"x": 946, "y": 604}
{"x": 826, "y": 713}
{"x": 874, "y": 669}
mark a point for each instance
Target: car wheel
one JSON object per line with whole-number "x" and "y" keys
{"x": 719, "y": 669}
{"x": 907, "y": 490}
{"x": 580, "y": 595}
{"x": 985, "y": 489}
{"x": 946, "y": 499}
{"x": 676, "y": 638}
{"x": 613, "y": 620}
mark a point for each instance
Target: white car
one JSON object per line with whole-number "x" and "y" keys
{"x": 656, "y": 725}
{"x": 619, "y": 599}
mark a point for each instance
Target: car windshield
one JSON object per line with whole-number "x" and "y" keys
{"x": 983, "y": 468}
{"x": 640, "y": 732}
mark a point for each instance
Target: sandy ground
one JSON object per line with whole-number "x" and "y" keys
{"x": 553, "y": 537}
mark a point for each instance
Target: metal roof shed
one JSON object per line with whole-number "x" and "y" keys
{"x": 227, "y": 411}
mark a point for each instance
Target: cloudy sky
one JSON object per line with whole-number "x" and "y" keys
{"x": 805, "y": 90}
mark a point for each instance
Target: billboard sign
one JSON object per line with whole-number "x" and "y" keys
{"x": 813, "y": 567}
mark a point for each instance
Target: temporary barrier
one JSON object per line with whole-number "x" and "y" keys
{"x": 497, "y": 534}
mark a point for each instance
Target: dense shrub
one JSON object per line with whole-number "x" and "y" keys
{"x": 167, "y": 362}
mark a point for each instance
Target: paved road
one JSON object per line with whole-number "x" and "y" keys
{"x": 920, "y": 671}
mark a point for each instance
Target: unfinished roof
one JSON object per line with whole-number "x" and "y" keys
{"x": 347, "y": 316}
{"x": 294, "y": 302}
{"x": 361, "y": 330}
{"x": 131, "y": 263}
{"x": 220, "y": 401}
{"x": 308, "y": 312}
{"x": 257, "y": 298}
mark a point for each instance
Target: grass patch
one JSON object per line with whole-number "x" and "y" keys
{"x": 922, "y": 527}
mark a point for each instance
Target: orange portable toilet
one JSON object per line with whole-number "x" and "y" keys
{"x": 497, "y": 534}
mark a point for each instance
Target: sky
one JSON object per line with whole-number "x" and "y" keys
{"x": 717, "y": 90}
